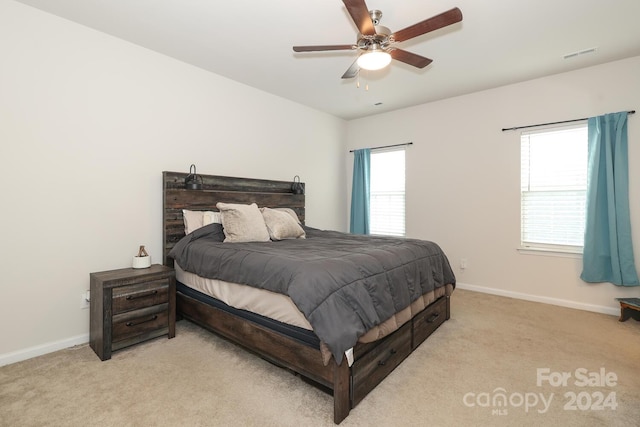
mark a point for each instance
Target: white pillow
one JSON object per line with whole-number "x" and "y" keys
{"x": 281, "y": 225}
{"x": 242, "y": 223}
{"x": 196, "y": 219}
{"x": 210, "y": 217}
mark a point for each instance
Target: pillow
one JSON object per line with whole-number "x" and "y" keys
{"x": 242, "y": 223}
{"x": 210, "y": 217}
{"x": 281, "y": 225}
{"x": 196, "y": 219}
{"x": 291, "y": 212}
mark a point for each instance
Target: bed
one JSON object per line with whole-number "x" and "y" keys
{"x": 348, "y": 367}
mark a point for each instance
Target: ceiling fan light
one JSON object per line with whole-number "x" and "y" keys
{"x": 374, "y": 60}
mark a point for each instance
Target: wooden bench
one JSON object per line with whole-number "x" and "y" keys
{"x": 629, "y": 307}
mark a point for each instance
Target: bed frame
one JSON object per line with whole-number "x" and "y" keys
{"x": 373, "y": 361}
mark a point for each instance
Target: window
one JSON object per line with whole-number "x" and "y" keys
{"x": 553, "y": 188}
{"x": 386, "y": 206}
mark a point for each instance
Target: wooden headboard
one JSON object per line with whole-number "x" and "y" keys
{"x": 175, "y": 198}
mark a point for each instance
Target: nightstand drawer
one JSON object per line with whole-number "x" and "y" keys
{"x": 132, "y": 297}
{"x": 139, "y": 322}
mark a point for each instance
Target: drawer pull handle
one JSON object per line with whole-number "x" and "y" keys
{"x": 384, "y": 361}
{"x": 433, "y": 317}
{"x": 151, "y": 319}
{"x": 141, "y": 295}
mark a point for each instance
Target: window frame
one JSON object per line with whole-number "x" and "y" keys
{"x": 382, "y": 151}
{"x": 541, "y": 248}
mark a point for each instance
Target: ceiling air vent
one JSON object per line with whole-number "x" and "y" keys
{"x": 580, "y": 52}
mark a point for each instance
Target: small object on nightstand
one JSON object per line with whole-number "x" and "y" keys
{"x": 142, "y": 260}
{"x": 629, "y": 307}
{"x": 129, "y": 306}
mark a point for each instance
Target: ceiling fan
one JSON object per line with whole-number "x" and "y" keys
{"x": 376, "y": 42}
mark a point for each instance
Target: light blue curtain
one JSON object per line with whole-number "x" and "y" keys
{"x": 360, "y": 191}
{"x": 608, "y": 250}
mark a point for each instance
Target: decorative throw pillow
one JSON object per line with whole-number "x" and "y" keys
{"x": 242, "y": 223}
{"x": 281, "y": 225}
{"x": 291, "y": 212}
{"x": 210, "y": 217}
{"x": 196, "y": 219}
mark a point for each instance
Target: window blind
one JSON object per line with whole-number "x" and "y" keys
{"x": 387, "y": 192}
{"x": 553, "y": 187}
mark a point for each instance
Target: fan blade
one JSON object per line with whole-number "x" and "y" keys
{"x": 360, "y": 15}
{"x": 320, "y": 48}
{"x": 434, "y": 23}
{"x": 352, "y": 71}
{"x": 410, "y": 58}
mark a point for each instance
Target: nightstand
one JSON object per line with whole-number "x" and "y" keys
{"x": 129, "y": 306}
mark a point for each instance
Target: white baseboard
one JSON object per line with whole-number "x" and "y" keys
{"x": 546, "y": 300}
{"x": 39, "y": 350}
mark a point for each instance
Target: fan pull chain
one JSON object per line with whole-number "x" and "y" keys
{"x": 366, "y": 83}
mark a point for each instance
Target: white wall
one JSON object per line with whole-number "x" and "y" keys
{"x": 87, "y": 125}
{"x": 463, "y": 177}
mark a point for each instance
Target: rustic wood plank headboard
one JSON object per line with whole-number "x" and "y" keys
{"x": 175, "y": 198}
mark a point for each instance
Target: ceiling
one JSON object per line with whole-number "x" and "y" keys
{"x": 250, "y": 41}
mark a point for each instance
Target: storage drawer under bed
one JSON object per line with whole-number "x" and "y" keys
{"x": 427, "y": 321}
{"x": 370, "y": 369}
{"x": 372, "y": 366}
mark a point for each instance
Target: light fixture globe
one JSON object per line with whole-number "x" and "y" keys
{"x": 375, "y": 59}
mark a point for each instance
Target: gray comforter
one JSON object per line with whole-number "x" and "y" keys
{"x": 344, "y": 284}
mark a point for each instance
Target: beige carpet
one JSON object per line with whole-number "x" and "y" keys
{"x": 491, "y": 345}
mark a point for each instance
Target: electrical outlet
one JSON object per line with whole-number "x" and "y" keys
{"x": 84, "y": 299}
{"x": 463, "y": 263}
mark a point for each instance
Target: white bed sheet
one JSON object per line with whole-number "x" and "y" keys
{"x": 266, "y": 303}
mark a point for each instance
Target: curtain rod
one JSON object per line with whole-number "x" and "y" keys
{"x": 387, "y": 146}
{"x": 555, "y": 123}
